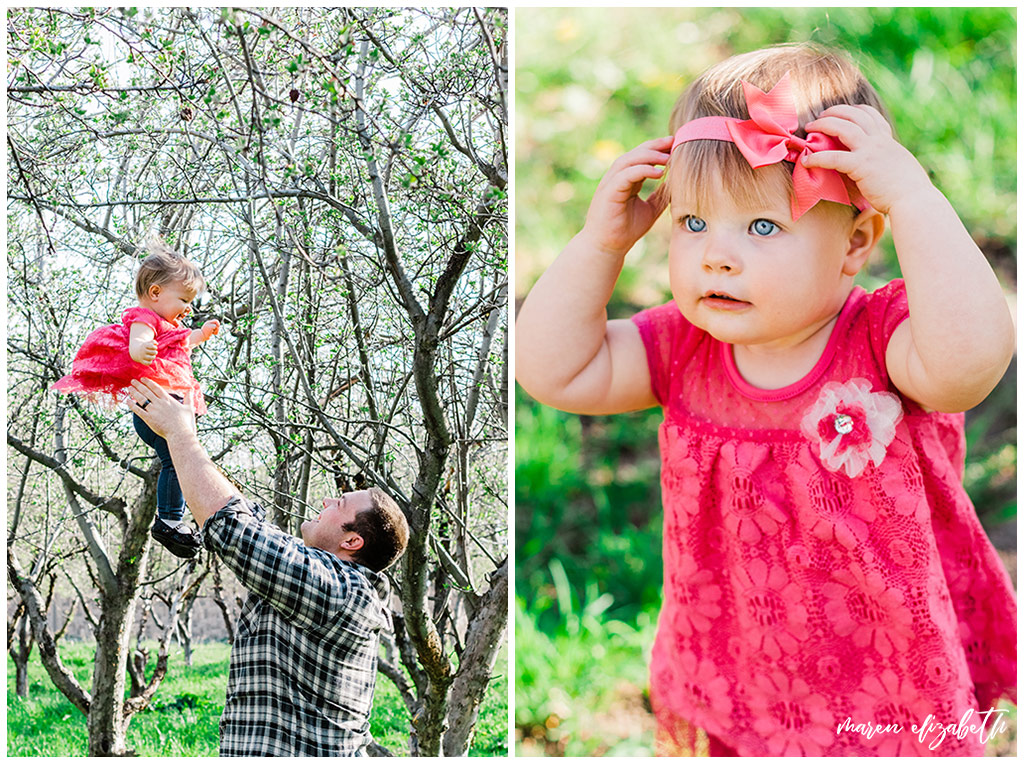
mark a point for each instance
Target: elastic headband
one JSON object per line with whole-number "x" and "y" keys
{"x": 768, "y": 138}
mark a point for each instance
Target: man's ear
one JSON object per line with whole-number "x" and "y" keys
{"x": 865, "y": 232}
{"x": 352, "y": 542}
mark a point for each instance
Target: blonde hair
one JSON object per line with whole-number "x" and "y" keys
{"x": 165, "y": 266}
{"x": 819, "y": 77}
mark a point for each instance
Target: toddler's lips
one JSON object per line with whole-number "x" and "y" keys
{"x": 723, "y": 301}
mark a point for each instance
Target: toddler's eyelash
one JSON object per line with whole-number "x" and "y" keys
{"x": 684, "y": 223}
{"x": 775, "y": 226}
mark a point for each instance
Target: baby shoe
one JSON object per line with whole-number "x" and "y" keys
{"x": 180, "y": 541}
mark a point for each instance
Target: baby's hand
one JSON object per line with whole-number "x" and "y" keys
{"x": 618, "y": 217}
{"x": 210, "y": 328}
{"x": 145, "y": 352}
{"x": 884, "y": 171}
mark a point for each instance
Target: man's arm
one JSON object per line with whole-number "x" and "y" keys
{"x": 276, "y": 567}
{"x": 204, "y": 487}
{"x": 310, "y": 588}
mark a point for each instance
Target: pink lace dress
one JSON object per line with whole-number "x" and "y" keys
{"x": 102, "y": 368}
{"x": 824, "y": 567}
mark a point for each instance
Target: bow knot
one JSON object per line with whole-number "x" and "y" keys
{"x": 796, "y": 145}
{"x": 768, "y": 137}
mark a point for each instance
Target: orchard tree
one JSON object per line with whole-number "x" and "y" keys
{"x": 340, "y": 176}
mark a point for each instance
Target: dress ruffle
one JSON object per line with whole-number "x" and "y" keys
{"x": 103, "y": 369}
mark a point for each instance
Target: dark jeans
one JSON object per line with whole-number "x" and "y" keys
{"x": 170, "y": 504}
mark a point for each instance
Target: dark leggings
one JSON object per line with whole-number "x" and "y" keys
{"x": 170, "y": 504}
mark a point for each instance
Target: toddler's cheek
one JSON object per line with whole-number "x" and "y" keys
{"x": 681, "y": 268}
{"x": 684, "y": 290}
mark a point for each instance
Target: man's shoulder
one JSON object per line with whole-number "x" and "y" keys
{"x": 296, "y": 579}
{"x": 358, "y": 578}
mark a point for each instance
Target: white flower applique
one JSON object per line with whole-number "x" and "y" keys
{"x": 852, "y": 425}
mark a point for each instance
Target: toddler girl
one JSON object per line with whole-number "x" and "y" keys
{"x": 828, "y": 588}
{"x": 151, "y": 342}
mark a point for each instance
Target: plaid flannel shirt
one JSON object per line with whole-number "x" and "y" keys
{"x": 304, "y": 661}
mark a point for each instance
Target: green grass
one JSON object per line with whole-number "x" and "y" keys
{"x": 581, "y": 690}
{"x": 181, "y": 721}
{"x": 183, "y": 717}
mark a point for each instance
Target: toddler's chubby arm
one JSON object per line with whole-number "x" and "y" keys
{"x": 959, "y": 338}
{"x": 201, "y": 335}
{"x": 142, "y": 343}
{"x": 568, "y": 354}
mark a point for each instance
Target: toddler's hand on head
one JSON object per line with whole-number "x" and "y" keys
{"x": 618, "y": 217}
{"x": 884, "y": 171}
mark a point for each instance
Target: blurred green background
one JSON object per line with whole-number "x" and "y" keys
{"x": 591, "y": 84}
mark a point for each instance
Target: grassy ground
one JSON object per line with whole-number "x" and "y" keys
{"x": 582, "y": 692}
{"x": 183, "y": 717}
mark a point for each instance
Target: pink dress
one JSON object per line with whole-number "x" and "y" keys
{"x": 824, "y": 567}
{"x": 102, "y": 368}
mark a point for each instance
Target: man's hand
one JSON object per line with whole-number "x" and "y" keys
{"x": 164, "y": 415}
{"x": 205, "y": 489}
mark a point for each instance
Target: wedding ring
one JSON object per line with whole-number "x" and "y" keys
{"x": 144, "y": 404}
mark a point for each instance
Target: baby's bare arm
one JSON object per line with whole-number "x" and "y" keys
{"x": 568, "y": 355}
{"x": 959, "y": 338}
{"x": 199, "y": 336}
{"x": 142, "y": 345}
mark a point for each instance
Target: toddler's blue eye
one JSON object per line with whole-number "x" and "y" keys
{"x": 763, "y": 227}
{"x": 694, "y": 224}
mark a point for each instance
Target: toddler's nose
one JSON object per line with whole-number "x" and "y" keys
{"x": 718, "y": 256}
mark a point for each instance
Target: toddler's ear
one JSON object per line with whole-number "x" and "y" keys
{"x": 865, "y": 231}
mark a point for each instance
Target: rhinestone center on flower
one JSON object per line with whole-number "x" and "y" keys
{"x": 843, "y": 424}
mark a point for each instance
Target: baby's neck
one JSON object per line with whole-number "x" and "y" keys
{"x": 775, "y": 368}
{"x": 144, "y": 303}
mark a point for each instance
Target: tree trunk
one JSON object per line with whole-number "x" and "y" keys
{"x": 218, "y": 598}
{"x": 139, "y": 656}
{"x": 107, "y": 719}
{"x": 21, "y": 656}
{"x": 61, "y": 677}
{"x": 106, "y": 722}
{"x": 185, "y": 637}
{"x": 188, "y": 600}
{"x": 484, "y": 637}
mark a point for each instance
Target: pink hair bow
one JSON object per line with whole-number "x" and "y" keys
{"x": 768, "y": 137}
